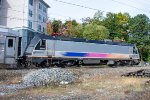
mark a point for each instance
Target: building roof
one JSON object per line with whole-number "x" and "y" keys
{"x": 45, "y": 3}
{"x": 8, "y": 31}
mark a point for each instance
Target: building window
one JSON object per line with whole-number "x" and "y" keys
{"x": 43, "y": 29}
{"x": 0, "y": 2}
{"x": 40, "y": 6}
{"x": 30, "y": 24}
{"x": 39, "y": 28}
{"x": 39, "y": 16}
{"x": 10, "y": 43}
{"x": 31, "y": 2}
{"x": 30, "y": 13}
{"x": 44, "y": 9}
{"x": 44, "y": 19}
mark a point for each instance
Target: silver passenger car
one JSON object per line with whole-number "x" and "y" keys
{"x": 8, "y": 45}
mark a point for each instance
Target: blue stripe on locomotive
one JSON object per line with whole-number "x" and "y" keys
{"x": 75, "y": 54}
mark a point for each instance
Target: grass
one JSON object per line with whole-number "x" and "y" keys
{"x": 16, "y": 96}
{"x": 112, "y": 83}
{"x": 134, "y": 84}
{"x": 10, "y": 77}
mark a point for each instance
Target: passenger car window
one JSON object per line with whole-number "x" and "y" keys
{"x": 41, "y": 45}
{"x": 10, "y": 43}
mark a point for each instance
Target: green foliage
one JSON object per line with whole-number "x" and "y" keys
{"x": 73, "y": 22}
{"x": 117, "y": 25}
{"x": 56, "y": 25}
{"x": 75, "y": 31}
{"x": 71, "y": 28}
{"x": 148, "y": 57}
{"x": 139, "y": 29}
{"x": 78, "y": 31}
{"x": 95, "y": 32}
{"x": 98, "y": 16}
{"x": 97, "y": 19}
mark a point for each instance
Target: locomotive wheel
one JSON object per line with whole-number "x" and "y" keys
{"x": 79, "y": 63}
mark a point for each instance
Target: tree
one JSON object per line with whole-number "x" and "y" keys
{"x": 57, "y": 27}
{"x": 78, "y": 31}
{"x": 98, "y": 16}
{"x": 71, "y": 28}
{"x": 86, "y": 20}
{"x": 49, "y": 27}
{"x": 97, "y": 19}
{"x": 139, "y": 34}
{"x": 117, "y": 25}
{"x": 95, "y": 32}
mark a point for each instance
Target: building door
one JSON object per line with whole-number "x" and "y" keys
{"x": 10, "y": 50}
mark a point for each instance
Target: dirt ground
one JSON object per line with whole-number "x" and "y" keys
{"x": 93, "y": 83}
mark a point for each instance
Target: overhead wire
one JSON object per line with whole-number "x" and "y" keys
{"x": 86, "y": 7}
{"x": 131, "y": 6}
{"x": 99, "y": 9}
{"x": 143, "y": 2}
{"x": 78, "y": 5}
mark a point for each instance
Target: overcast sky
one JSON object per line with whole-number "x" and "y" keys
{"x": 64, "y": 11}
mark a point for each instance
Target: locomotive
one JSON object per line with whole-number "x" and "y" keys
{"x": 46, "y": 51}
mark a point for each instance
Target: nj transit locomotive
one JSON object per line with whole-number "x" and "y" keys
{"x": 48, "y": 51}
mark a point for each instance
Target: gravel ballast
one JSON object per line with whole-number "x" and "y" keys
{"x": 90, "y": 84}
{"x": 53, "y": 76}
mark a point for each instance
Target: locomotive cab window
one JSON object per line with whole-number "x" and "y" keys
{"x": 41, "y": 45}
{"x": 135, "y": 50}
{"x": 10, "y": 43}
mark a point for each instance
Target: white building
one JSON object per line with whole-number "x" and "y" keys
{"x": 30, "y": 14}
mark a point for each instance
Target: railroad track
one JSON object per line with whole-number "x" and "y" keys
{"x": 2, "y": 66}
{"x": 139, "y": 73}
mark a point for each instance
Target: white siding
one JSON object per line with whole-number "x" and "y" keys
{"x": 15, "y": 13}
{"x": 43, "y": 15}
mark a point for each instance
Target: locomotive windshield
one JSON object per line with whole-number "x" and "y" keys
{"x": 41, "y": 45}
{"x": 135, "y": 51}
